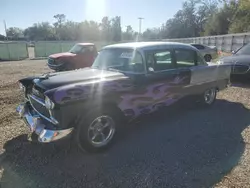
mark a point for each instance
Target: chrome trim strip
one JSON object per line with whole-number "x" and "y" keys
{"x": 40, "y": 101}
{"x": 54, "y": 121}
{"x": 167, "y": 70}
{"x": 201, "y": 83}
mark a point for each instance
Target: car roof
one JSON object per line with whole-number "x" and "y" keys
{"x": 197, "y": 44}
{"x": 150, "y": 45}
{"x": 86, "y": 44}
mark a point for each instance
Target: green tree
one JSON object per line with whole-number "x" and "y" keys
{"x": 60, "y": 20}
{"x": 89, "y": 31}
{"x": 106, "y": 29}
{"x": 151, "y": 34}
{"x": 116, "y": 29}
{"x": 128, "y": 35}
{"x": 14, "y": 33}
{"x": 2, "y": 37}
{"x": 205, "y": 12}
{"x": 241, "y": 20}
{"x": 190, "y": 21}
{"x": 40, "y": 31}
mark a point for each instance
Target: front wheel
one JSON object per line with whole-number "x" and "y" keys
{"x": 96, "y": 132}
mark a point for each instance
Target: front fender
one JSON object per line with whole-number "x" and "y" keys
{"x": 91, "y": 90}
{"x": 27, "y": 81}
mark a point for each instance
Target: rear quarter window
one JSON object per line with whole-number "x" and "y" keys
{"x": 185, "y": 58}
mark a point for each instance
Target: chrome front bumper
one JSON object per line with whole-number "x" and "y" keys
{"x": 37, "y": 125}
{"x": 56, "y": 66}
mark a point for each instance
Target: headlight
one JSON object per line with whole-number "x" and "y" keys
{"x": 21, "y": 86}
{"x": 49, "y": 104}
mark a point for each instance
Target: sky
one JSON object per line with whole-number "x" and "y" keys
{"x": 23, "y": 13}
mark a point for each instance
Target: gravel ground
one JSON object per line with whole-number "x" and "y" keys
{"x": 184, "y": 147}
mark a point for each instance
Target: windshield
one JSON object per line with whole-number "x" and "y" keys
{"x": 245, "y": 50}
{"x": 124, "y": 60}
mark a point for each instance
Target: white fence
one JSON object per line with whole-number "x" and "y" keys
{"x": 226, "y": 43}
{"x": 19, "y": 50}
{"x": 13, "y": 50}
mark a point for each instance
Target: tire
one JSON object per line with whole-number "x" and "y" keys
{"x": 89, "y": 130}
{"x": 208, "y": 58}
{"x": 208, "y": 97}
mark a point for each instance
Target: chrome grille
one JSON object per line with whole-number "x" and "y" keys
{"x": 36, "y": 92}
{"x": 51, "y": 61}
{"x": 39, "y": 105}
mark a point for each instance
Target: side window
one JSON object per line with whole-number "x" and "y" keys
{"x": 161, "y": 60}
{"x": 185, "y": 58}
{"x": 91, "y": 48}
{"x": 87, "y": 49}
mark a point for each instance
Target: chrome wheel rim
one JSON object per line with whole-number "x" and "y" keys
{"x": 101, "y": 131}
{"x": 209, "y": 96}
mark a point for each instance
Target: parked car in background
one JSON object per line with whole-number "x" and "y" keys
{"x": 208, "y": 52}
{"x": 125, "y": 82}
{"x": 79, "y": 56}
{"x": 239, "y": 61}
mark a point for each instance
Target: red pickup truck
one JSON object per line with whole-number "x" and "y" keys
{"x": 79, "y": 56}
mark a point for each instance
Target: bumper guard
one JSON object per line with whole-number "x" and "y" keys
{"x": 36, "y": 125}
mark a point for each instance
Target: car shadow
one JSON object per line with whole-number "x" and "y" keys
{"x": 181, "y": 147}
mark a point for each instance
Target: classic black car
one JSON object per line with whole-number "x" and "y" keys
{"x": 125, "y": 82}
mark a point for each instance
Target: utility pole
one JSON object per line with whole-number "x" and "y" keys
{"x": 5, "y": 28}
{"x": 140, "y": 21}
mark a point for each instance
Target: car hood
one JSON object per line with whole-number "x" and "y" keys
{"x": 243, "y": 59}
{"x": 54, "y": 80}
{"x": 64, "y": 54}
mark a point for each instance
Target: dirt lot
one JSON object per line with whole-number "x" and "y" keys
{"x": 186, "y": 147}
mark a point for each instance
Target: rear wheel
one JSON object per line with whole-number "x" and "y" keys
{"x": 209, "y": 97}
{"x": 208, "y": 58}
{"x": 96, "y": 132}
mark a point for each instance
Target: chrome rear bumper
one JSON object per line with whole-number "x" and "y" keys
{"x": 37, "y": 125}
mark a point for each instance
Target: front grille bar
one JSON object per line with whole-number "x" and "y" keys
{"x": 40, "y": 101}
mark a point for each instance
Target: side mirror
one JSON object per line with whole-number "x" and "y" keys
{"x": 151, "y": 69}
{"x": 233, "y": 52}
